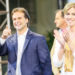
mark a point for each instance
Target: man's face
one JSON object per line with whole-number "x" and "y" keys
{"x": 19, "y": 20}
{"x": 59, "y": 20}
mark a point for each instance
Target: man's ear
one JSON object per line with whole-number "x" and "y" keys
{"x": 27, "y": 20}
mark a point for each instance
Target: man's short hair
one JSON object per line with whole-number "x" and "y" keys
{"x": 62, "y": 13}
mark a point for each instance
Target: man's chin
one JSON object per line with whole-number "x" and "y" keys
{"x": 17, "y": 28}
{"x": 57, "y": 26}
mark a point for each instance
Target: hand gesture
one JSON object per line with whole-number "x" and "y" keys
{"x": 59, "y": 37}
{"x": 6, "y": 32}
{"x": 69, "y": 38}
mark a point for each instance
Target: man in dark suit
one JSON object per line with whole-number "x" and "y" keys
{"x": 27, "y": 51}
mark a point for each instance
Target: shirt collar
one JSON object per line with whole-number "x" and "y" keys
{"x": 24, "y": 34}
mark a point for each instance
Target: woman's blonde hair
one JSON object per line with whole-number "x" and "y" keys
{"x": 68, "y": 6}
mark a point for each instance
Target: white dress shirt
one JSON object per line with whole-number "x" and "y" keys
{"x": 21, "y": 41}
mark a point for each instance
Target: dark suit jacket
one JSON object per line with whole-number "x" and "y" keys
{"x": 35, "y": 59}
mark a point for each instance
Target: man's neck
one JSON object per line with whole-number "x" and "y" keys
{"x": 63, "y": 26}
{"x": 20, "y": 32}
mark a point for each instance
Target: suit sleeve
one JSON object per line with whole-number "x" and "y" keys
{"x": 3, "y": 47}
{"x": 44, "y": 56}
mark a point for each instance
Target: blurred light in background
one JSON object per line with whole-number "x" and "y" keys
{"x": 70, "y": 0}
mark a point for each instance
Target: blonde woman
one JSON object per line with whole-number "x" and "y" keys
{"x": 65, "y": 52}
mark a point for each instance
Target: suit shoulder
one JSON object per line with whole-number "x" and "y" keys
{"x": 11, "y": 38}
{"x": 36, "y": 35}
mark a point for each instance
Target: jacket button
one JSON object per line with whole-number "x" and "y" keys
{"x": 9, "y": 71}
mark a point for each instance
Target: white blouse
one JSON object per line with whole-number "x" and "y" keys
{"x": 59, "y": 63}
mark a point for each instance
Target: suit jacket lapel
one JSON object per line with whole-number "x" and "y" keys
{"x": 28, "y": 37}
{"x": 15, "y": 43}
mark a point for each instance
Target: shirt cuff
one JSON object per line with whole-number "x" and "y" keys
{"x": 2, "y": 41}
{"x": 58, "y": 62}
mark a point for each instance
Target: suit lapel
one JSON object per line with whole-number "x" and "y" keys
{"x": 28, "y": 37}
{"x": 15, "y": 43}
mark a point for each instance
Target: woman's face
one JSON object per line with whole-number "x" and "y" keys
{"x": 70, "y": 17}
